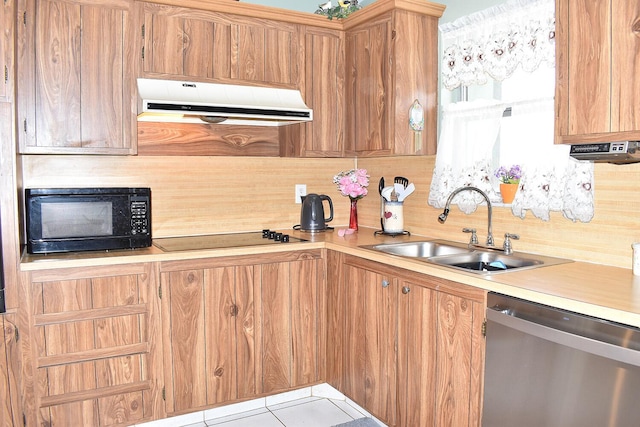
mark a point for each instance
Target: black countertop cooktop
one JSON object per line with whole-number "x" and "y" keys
{"x": 222, "y": 241}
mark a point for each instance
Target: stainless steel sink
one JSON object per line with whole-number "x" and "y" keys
{"x": 426, "y": 249}
{"x": 462, "y": 257}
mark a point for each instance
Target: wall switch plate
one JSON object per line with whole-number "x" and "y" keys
{"x": 301, "y": 190}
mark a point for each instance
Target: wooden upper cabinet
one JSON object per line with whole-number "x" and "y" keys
{"x": 323, "y": 91}
{"x": 597, "y": 57}
{"x": 391, "y": 60}
{"x": 76, "y": 82}
{"x": 199, "y": 44}
{"x": 6, "y": 49}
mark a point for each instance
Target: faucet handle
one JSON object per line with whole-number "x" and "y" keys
{"x": 474, "y": 236}
{"x": 506, "y": 246}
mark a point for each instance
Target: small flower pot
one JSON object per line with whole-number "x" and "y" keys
{"x": 508, "y": 192}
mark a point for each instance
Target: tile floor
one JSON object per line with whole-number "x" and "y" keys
{"x": 317, "y": 406}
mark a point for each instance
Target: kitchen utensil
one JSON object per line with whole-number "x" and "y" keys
{"x": 386, "y": 193}
{"x": 401, "y": 180}
{"x": 399, "y": 189}
{"x": 406, "y": 192}
{"x": 312, "y": 217}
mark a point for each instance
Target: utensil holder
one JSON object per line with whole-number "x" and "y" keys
{"x": 393, "y": 220}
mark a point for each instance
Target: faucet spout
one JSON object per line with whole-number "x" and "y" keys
{"x": 443, "y": 216}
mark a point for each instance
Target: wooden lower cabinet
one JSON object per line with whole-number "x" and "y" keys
{"x": 10, "y": 412}
{"x": 409, "y": 347}
{"x": 240, "y": 327}
{"x": 91, "y": 344}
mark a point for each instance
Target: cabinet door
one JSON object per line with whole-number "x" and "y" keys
{"x": 370, "y": 340}
{"x": 416, "y": 355}
{"x": 208, "y": 45}
{"x": 94, "y": 346}
{"x": 6, "y": 49}
{"x": 75, "y": 93}
{"x": 265, "y": 338}
{"x": 597, "y": 50}
{"x": 10, "y": 413}
{"x": 290, "y": 306}
{"x": 194, "y": 301}
{"x": 440, "y": 352}
{"x": 324, "y": 93}
{"x": 369, "y": 76}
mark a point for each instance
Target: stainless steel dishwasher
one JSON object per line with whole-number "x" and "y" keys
{"x": 550, "y": 367}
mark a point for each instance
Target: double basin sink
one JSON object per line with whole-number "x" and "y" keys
{"x": 463, "y": 257}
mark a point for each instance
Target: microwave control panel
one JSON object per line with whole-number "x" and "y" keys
{"x": 139, "y": 217}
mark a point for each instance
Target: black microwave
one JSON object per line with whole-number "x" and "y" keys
{"x": 87, "y": 219}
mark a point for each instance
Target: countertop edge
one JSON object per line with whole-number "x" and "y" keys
{"x": 606, "y": 292}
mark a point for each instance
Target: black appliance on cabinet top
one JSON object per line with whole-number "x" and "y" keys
{"x": 87, "y": 219}
{"x": 224, "y": 241}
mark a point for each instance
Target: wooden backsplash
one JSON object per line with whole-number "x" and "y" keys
{"x": 199, "y": 195}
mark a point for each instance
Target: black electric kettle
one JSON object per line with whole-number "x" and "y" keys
{"x": 312, "y": 213}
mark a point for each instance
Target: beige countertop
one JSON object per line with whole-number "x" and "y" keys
{"x": 602, "y": 291}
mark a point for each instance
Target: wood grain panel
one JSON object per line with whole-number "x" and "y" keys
{"x": 187, "y": 311}
{"x": 453, "y": 360}
{"x": 380, "y": 346}
{"x": 199, "y": 48}
{"x": 220, "y": 335}
{"x": 166, "y": 52}
{"x": 248, "y": 329}
{"x": 174, "y": 139}
{"x": 9, "y": 373}
{"x": 417, "y": 316}
{"x": 625, "y": 57}
{"x": 93, "y": 369}
{"x": 58, "y": 96}
{"x": 6, "y": 50}
{"x": 304, "y": 280}
{"x": 276, "y": 327}
{"x": 336, "y": 330}
{"x": 353, "y": 351}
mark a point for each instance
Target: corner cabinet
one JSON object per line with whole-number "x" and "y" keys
{"x": 597, "y": 55}
{"x": 76, "y": 86}
{"x": 409, "y": 347}
{"x": 391, "y": 60}
{"x": 91, "y": 346}
{"x": 238, "y": 327}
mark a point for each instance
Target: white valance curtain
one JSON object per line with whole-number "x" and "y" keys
{"x": 476, "y": 138}
{"x": 492, "y": 43}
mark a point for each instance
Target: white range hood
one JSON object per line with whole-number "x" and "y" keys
{"x": 194, "y": 102}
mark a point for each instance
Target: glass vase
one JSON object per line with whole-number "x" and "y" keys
{"x": 353, "y": 215}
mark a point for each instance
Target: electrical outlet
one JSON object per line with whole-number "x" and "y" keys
{"x": 301, "y": 190}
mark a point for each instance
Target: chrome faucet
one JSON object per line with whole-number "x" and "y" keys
{"x": 443, "y": 216}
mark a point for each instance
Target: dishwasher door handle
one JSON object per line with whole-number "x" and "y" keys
{"x": 589, "y": 345}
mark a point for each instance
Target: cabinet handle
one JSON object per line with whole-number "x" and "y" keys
{"x": 385, "y": 283}
{"x": 406, "y": 290}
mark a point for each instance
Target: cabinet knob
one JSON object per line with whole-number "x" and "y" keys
{"x": 385, "y": 283}
{"x": 406, "y": 290}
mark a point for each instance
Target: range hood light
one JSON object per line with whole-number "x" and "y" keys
{"x": 188, "y": 102}
{"x": 213, "y": 119}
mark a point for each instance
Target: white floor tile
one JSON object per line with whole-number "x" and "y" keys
{"x": 266, "y": 419}
{"x": 234, "y": 408}
{"x": 288, "y": 396}
{"x": 222, "y": 420}
{"x": 180, "y": 420}
{"x": 352, "y": 411}
{"x": 292, "y": 403}
{"x": 319, "y": 413}
{"x": 326, "y": 391}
